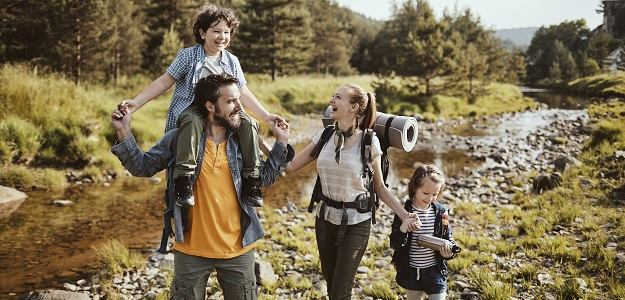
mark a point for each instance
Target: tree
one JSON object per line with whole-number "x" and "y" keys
{"x": 124, "y": 24}
{"x": 572, "y": 35}
{"x": 330, "y": 31}
{"x": 275, "y": 37}
{"x": 420, "y": 44}
{"x": 168, "y": 50}
{"x": 78, "y": 30}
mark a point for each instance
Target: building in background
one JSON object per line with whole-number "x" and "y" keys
{"x": 610, "y": 9}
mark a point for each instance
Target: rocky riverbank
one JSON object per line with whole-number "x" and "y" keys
{"x": 513, "y": 164}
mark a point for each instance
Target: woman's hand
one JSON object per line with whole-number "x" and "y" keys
{"x": 410, "y": 223}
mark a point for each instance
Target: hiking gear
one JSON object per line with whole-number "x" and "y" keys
{"x": 183, "y": 185}
{"x": 367, "y": 173}
{"x": 251, "y": 191}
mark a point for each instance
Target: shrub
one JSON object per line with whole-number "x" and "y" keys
{"x": 21, "y": 140}
{"x": 29, "y": 179}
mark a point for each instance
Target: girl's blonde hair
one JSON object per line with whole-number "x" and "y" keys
{"x": 422, "y": 172}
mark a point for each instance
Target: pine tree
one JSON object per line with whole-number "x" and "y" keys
{"x": 78, "y": 51}
{"x": 275, "y": 37}
{"x": 420, "y": 42}
{"x": 330, "y": 27}
{"x": 123, "y": 38}
{"x": 169, "y": 48}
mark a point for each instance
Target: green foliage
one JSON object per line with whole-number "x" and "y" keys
{"x": 275, "y": 37}
{"x": 606, "y": 131}
{"x": 30, "y": 179}
{"x": 488, "y": 287}
{"x": 380, "y": 290}
{"x": 169, "y": 48}
{"x": 331, "y": 29}
{"x": 604, "y": 85}
{"x": 117, "y": 257}
{"x": 20, "y": 140}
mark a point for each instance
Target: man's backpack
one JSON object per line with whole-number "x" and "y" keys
{"x": 367, "y": 172}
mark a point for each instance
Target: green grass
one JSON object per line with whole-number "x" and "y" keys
{"x": 30, "y": 179}
{"x": 116, "y": 257}
{"x": 380, "y": 290}
{"x": 604, "y": 85}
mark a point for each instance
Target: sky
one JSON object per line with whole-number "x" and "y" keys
{"x": 498, "y": 14}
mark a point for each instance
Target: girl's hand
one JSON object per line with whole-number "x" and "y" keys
{"x": 446, "y": 251}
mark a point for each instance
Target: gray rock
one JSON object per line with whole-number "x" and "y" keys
{"x": 62, "y": 203}
{"x": 543, "y": 182}
{"x": 70, "y": 287}
{"x": 363, "y": 269}
{"x": 267, "y": 274}
{"x": 10, "y": 200}
{"x": 563, "y": 162}
{"x": 545, "y": 279}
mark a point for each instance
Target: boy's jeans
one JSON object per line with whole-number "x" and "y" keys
{"x": 190, "y": 129}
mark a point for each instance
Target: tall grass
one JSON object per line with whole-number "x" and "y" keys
{"x": 117, "y": 257}
{"x": 604, "y": 85}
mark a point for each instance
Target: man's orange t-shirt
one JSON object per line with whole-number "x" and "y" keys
{"x": 215, "y": 218}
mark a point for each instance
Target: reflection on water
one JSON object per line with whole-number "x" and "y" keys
{"x": 44, "y": 245}
{"x": 554, "y": 100}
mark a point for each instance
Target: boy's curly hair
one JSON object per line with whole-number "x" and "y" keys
{"x": 210, "y": 14}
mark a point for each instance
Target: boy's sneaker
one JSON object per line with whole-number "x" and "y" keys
{"x": 184, "y": 190}
{"x": 251, "y": 191}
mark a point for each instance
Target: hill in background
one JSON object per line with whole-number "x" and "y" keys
{"x": 519, "y": 37}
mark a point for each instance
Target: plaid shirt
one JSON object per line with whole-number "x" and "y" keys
{"x": 186, "y": 69}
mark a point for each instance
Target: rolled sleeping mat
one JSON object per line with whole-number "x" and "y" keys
{"x": 436, "y": 244}
{"x": 397, "y": 131}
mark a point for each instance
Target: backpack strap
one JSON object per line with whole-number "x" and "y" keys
{"x": 367, "y": 172}
{"x": 323, "y": 140}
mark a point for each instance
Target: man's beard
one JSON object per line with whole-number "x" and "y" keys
{"x": 226, "y": 123}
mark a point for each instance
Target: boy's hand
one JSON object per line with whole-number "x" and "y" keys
{"x": 128, "y": 106}
{"x": 281, "y": 132}
{"x": 272, "y": 119}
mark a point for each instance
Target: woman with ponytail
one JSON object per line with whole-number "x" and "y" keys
{"x": 343, "y": 221}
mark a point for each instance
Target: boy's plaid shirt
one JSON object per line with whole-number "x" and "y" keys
{"x": 186, "y": 69}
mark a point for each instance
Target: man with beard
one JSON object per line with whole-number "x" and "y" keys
{"x": 220, "y": 231}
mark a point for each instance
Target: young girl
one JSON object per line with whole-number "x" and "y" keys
{"x": 422, "y": 270}
{"x": 342, "y": 231}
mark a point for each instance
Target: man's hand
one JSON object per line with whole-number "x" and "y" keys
{"x": 128, "y": 106}
{"x": 273, "y": 119}
{"x": 281, "y": 132}
{"x": 121, "y": 123}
